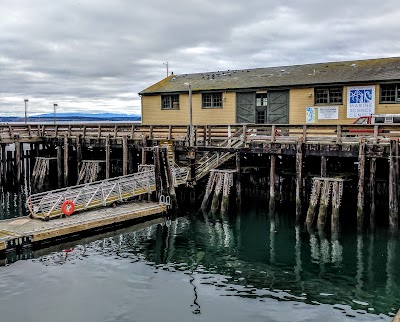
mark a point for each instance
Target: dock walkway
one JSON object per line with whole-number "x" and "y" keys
{"x": 15, "y": 233}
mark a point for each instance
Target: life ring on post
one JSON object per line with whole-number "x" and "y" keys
{"x": 68, "y": 207}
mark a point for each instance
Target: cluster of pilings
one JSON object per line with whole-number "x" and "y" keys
{"x": 325, "y": 190}
{"x": 220, "y": 181}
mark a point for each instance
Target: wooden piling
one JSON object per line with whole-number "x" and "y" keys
{"x": 124, "y": 155}
{"x": 323, "y": 205}
{"x": 108, "y": 164}
{"x": 66, "y": 161}
{"x": 144, "y": 145}
{"x": 157, "y": 170}
{"x": 209, "y": 189}
{"x": 78, "y": 152}
{"x": 238, "y": 181}
{"x": 217, "y": 192}
{"x": 361, "y": 180}
{"x": 372, "y": 191}
{"x": 336, "y": 197}
{"x": 299, "y": 180}
{"x": 18, "y": 161}
{"x": 316, "y": 190}
{"x": 228, "y": 180}
{"x": 170, "y": 178}
{"x": 59, "y": 167}
{"x": 323, "y": 166}
{"x": 272, "y": 182}
{"x": 393, "y": 181}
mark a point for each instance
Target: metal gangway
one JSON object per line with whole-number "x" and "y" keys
{"x": 82, "y": 197}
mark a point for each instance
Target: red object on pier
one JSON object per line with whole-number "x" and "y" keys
{"x": 68, "y": 207}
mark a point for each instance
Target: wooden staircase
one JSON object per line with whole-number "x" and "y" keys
{"x": 212, "y": 160}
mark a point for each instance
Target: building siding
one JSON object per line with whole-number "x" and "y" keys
{"x": 153, "y": 114}
{"x": 299, "y": 100}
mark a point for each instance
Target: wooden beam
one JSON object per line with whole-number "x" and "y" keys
{"x": 108, "y": 152}
{"x": 59, "y": 166}
{"x": 323, "y": 166}
{"x": 238, "y": 180}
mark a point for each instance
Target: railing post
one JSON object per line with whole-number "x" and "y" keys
{"x": 339, "y": 134}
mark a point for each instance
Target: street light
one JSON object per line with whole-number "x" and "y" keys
{"x": 26, "y": 117}
{"x": 191, "y": 143}
{"x": 55, "y": 105}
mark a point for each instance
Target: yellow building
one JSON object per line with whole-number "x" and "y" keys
{"x": 323, "y": 93}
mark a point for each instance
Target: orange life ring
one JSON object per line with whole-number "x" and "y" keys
{"x": 68, "y": 207}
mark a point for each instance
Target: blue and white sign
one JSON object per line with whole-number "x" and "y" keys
{"x": 360, "y": 101}
{"x": 310, "y": 115}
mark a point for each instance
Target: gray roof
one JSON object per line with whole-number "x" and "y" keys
{"x": 345, "y": 72}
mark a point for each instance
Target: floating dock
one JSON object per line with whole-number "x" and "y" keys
{"x": 24, "y": 231}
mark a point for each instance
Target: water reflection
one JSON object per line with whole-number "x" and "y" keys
{"x": 256, "y": 255}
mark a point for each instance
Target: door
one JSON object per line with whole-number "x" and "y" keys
{"x": 278, "y": 107}
{"x": 245, "y": 107}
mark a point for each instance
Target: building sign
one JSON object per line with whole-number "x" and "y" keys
{"x": 360, "y": 101}
{"x": 328, "y": 113}
{"x": 311, "y": 116}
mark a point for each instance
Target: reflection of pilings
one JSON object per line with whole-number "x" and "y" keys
{"x": 337, "y": 252}
{"x": 272, "y": 233}
{"x": 391, "y": 268}
{"x": 316, "y": 190}
{"x": 314, "y": 248}
{"x": 298, "y": 266}
{"x": 360, "y": 263}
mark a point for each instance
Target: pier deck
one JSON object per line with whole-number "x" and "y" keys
{"x": 24, "y": 231}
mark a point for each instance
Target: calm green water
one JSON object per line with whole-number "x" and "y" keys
{"x": 251, "y": 266}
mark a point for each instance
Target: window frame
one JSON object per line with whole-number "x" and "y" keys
{"x": 330, "y": 97}
{"x": 213, "y": 100}
{"x": 171, "y": 98}
{"x": 396, "y": 93}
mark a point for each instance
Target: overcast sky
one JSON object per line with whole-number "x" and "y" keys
{"x": 96, "y": 55}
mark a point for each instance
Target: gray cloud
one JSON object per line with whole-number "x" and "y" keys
{"x": 97, "y": 55}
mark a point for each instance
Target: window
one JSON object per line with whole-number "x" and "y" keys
{"x": 329, "y": 95}
{"x": 390, "y": 93}
{"x": 170, "y": 102}
{"x": 261, "y": 100}
{"x": 212, "y": 100}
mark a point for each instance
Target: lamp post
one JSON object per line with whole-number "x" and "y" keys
{"x": 191, "y": 143}
{"x": 55, "y": 105}
{"x": 26, "y": 117}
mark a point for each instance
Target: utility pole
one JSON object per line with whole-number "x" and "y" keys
{"x": 55, "y": 105}
{"x": 26, "y": 115}
{"x": 166, "y": 64}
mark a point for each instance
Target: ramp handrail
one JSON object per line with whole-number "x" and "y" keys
{"x": 99, "y": 193}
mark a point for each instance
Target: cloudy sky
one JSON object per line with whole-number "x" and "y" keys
{"x": 96, "y": 55}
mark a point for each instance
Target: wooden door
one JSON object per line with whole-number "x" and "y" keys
{"x": 246, "y": 107}
{"x": 278, "y": 107}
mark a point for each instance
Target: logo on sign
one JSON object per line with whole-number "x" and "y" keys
{"x": 359, "y": 96}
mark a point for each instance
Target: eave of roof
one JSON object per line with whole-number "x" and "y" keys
{"x": 345, "y": 72}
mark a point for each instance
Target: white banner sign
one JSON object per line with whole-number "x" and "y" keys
{"x": 360, "y": 101}
{"x": 328, "y": 113}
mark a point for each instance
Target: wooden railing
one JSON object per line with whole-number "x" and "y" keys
{"x": 208, "y": 135}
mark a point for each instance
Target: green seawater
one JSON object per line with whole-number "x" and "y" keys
{"x": 249, "y": 265}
